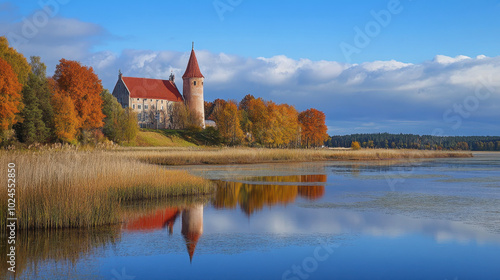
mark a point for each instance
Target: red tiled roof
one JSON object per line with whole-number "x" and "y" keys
{"x": 192, "y": 69}
{"x": 152, "y": 89}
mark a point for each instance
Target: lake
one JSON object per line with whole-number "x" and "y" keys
{"x": 429, "y": 219}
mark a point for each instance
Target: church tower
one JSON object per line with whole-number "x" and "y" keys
{"x": 193, "y": 89}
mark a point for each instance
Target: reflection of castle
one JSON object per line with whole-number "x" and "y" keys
{"x": 192, "y": 224}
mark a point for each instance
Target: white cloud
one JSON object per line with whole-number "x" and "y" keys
{"x": 443, "y": 59}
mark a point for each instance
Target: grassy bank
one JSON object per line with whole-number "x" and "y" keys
{"x": 86, "y": 189}
{"x": 253, "y": 155}
{"x": 177, "y": 138}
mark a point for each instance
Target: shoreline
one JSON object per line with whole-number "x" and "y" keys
{"x": 228, "y": 156}
{"x": 87, "y": 189}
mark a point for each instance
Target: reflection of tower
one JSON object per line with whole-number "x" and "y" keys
{"x": 192, "y": 227}
{"x": 193, "y": 89}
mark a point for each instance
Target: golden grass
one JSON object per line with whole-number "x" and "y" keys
{"x": 253, "y": 155}
{"x": 85, "y": 189}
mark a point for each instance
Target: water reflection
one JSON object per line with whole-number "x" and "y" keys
{"x": 158, "y": 220}
{"x": 192, "y": 227}
{"x": 254, "y": 193}
{"x": 67, "y": 246}
{"x": 192, "y": 223}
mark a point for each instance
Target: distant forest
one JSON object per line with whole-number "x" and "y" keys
{"x": 411, "y": 141}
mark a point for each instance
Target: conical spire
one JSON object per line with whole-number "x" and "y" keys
{"x": 192, "y": 69}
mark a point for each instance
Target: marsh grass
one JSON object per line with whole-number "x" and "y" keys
{"x": 253, "y": 155}
{"x": 86, "y": 189}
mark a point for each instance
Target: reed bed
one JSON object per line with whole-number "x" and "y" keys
{"x": 253, "y": 155}
{"x": 86, "y": 189}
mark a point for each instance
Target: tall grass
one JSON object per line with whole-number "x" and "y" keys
{"x": 252, "y": 155}
{"x": 85, "y": 189}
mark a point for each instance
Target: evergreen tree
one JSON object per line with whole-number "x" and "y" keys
{"x": 32, "y": 129}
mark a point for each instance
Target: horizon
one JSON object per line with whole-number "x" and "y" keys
{"x": 372, "y": 66}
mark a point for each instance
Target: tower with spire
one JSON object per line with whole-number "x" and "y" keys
{"x": 193, "y": 89}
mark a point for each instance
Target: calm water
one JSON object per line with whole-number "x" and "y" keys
{"x": 437, "y": 219}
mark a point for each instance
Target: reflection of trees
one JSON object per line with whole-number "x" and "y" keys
{"x": 253, "y": 197}
{"x": 64, "y": 245}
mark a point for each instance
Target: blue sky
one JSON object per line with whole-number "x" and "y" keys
{"x": 414, "y": 67}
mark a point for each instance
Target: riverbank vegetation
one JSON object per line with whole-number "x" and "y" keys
{"x": 262, "y": 155}
{"x": 86, "y": 189}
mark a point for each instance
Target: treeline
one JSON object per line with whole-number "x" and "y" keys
{"x": 69, "y": 107}
{"x": 422, "y": 142}
{"x": 256, "y": 122}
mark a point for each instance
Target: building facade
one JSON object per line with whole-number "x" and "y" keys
{"x": 153, "y": 99}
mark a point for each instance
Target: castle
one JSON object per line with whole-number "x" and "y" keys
{"x": 153, "y": 99}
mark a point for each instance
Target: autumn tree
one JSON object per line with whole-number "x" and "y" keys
{"x": 65, "y": 117}
{"x": 129, "y": 125}
{"x": 257, "y": 113}
{"x": 16, "y": 60}
{"x": 84, "y": 88}
{"x": 355, "y": 145}
{"x": 289, "y": 123}
{"x": 11, "y": 100}
{"x": 245, "y": 102}
{"x": 228, "y": 123}
{"x": 313, "y": 127}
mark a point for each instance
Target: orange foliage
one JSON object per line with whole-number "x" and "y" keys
{"x": 313, "y": 127}
{"x": 228, "y": 122}
{"x": 10, "y": 96}
{"x": 84, "y": 88}
{"x": 355, "y": 145}
{"x": 66, "y": 121}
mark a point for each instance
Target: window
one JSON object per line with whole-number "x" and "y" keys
{"x": 139, "y": 107}
{"x": 194, "y": 82}
{"x": 133, "y": 106}
{"x": 137, "y": 99}
{"x": 145, "y": 107}
{"x": 151, "y": 100}
{"x": 162, "y": 102}
{"x": 161, "y": 107}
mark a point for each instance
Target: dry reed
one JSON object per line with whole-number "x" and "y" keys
{"x": 85, "y": 189}
{"x": 252, "y": 155}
